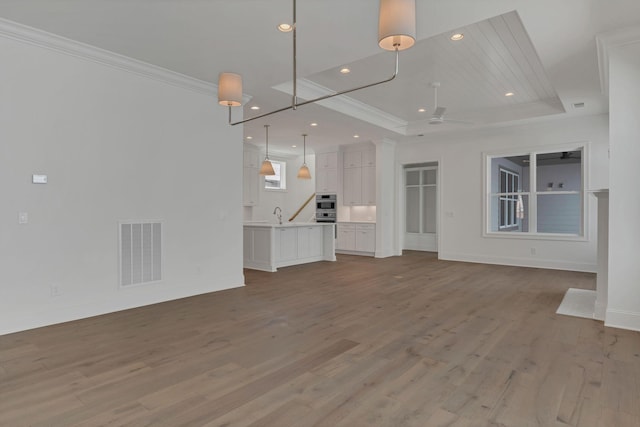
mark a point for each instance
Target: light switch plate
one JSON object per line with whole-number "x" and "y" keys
{"x": 39, "y": 179}
{"x": 23, "y": 217}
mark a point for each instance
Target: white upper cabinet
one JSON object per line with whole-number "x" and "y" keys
{"x": 359, "y": 178}
{"x": 327, "y": 160}
{"x": 352, "y": 159}
{"x": 369, "y": 157}
{"x": 369, "y": 185}
{"x": 327, "y": 173}
{"x": 352, "y": 195}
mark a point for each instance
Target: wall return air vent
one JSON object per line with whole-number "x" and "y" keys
{"x": 140, "y": 253}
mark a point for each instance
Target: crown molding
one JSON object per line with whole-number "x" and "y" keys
{"x": 345, "y": 105}
{"x": 608, "y": 41}
{"x": 22, "y": 33}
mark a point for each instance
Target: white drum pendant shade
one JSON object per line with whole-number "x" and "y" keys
{"x": 397, "y": 24}
{"x": 230, "y": 89}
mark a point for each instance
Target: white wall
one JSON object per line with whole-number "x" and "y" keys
{"x": 116, "y": 146}
{"x": 462, "y": 191}
{"x": 624, "y": 197}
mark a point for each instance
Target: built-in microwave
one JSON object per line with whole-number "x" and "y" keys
{"x": 326, "y": 201}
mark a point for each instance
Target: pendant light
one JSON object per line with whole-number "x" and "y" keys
{"x": 303, "y": 172}
{"x": 267, "y": 167}
{"x": 396, "y": 32}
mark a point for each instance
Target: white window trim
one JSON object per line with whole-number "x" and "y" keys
{"x": 533, "y": 151}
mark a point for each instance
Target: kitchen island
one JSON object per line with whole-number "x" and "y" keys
{"x": 270, "y": 246}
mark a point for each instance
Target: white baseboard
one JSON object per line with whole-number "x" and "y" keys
{"x": 384, "y": 254}
{"x": 62, "y": 314}
{"x": 623, "y": 319}
{"x": 519, "y": 262}
{"x": 345, "y": 252}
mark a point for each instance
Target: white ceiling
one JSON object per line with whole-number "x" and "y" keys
{"x": 544, "y": 51}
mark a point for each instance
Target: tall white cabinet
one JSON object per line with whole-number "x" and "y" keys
{"x": 327, "y": 173}
{"x": 359, "y": 178}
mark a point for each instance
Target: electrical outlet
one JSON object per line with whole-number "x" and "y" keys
{"x": 55, "y": 291}
{"x": 23, "y": 217}
{"x": 533, "y": 251}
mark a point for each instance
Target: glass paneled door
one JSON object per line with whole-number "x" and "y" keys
{"x": 421, "y": 208}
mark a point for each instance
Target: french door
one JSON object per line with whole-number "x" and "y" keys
{"x": 421, "y": 208}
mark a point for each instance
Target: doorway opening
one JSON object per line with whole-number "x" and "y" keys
{"x": 421, "y": 207}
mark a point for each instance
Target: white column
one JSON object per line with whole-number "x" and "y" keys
{"x": 385, "y": 198}
{"x": 623, "y": 310}
{"x": 602, "y": 287}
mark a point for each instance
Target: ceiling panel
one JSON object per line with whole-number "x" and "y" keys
{"x": 547, "y": 47}
{"x": 496, "y": 56}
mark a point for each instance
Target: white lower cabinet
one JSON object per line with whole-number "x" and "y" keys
{"x": 356, "y": 238}
{"x": 286, "y": 244}
{"x": 309, "y": 242}
{"x": 365, "y": 237}
{"x": 346, "y": 240}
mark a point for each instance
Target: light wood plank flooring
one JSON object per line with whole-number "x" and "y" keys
{"x": 403, "y": 341}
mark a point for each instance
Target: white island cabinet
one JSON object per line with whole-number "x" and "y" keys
{"x": 269, "y": 246}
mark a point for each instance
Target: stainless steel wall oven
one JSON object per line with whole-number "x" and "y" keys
{"x": 326, "y": 208}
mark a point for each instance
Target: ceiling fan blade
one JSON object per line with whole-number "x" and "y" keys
{"x": 462, "y": 122}
{"x": 439, "y": 111}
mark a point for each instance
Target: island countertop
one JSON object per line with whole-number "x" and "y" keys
{"x": 285, "y": 224}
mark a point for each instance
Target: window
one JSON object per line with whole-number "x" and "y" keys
{"x": 508, "y": 196}
{"x": 279, "y": 180}
{"x": 537, "y": 193}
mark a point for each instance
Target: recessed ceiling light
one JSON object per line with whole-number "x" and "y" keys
{"x": 421, "y": 110}
{"x": 457, "y": 36}
{"x": 314, "y": 124}
{"x": 356, "y": 136}
{"x": 249, "y": 137}
{"x": 285, "y": 28}
{"x": 255, "y": 107}
{"x": 294, "y": 146}
{"x": 345, "y": 70}
{"x": 509, "y": 94}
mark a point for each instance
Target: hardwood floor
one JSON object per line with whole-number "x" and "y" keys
{"x": 403, "y": 341}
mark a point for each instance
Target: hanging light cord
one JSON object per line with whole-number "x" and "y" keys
{"x": 266, "y": 127}
{"x": 294, "y": 100}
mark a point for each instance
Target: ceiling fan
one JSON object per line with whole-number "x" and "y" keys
{"x": 437, "y": 117}
{"x": 418, "y": 127}
{"x": 570, "y": 156}
{"x": 438, "y": 114}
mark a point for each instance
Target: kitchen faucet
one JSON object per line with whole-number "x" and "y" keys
{"x": 279, "y": 214}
